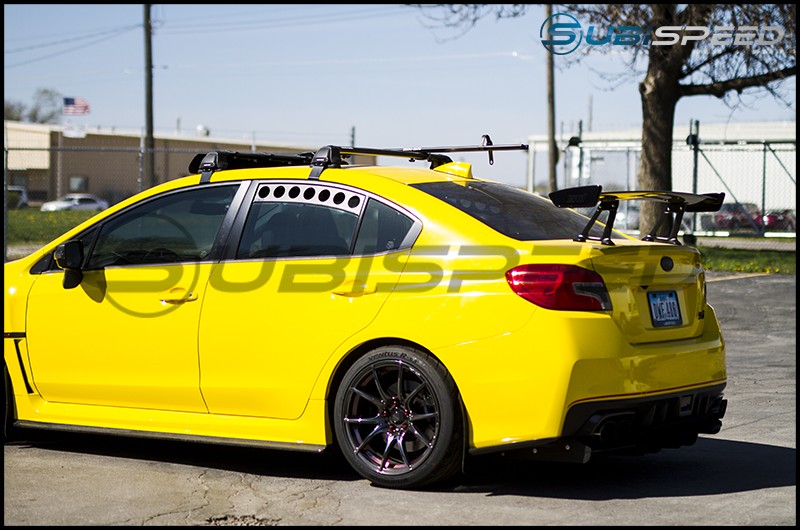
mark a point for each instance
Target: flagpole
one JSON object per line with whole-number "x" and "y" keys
{"x": 58, "y": 158}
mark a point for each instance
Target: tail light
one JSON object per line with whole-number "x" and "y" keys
{"x": 562, "y": 287}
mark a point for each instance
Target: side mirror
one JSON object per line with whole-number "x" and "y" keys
{"x": 69, "y": 256}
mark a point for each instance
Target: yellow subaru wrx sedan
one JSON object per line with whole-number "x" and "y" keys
{"x": 409, "y": 316}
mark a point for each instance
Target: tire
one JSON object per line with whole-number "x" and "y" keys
{"x": 8, "y": 407}
{"x": 397, "y": 419}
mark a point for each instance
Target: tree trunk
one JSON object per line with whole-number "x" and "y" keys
{"x": 659, "y": 92}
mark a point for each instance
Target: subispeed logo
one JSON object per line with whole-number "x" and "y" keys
{"x": 562, "y": 34}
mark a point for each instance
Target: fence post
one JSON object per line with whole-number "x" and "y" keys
{"x": 763, "y": 229}
{"x": 530, "y": 173}
{"x": 694, "y": 141}
{"x": 141, "y": 163}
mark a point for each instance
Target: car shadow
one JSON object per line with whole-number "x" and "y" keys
{"x": 328, "y": 465}
{"x": 710, "y": 467}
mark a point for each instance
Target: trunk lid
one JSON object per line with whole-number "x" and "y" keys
{"x": 657, "y": 290}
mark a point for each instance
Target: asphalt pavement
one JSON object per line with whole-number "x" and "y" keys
{"x": 744, "y": 476}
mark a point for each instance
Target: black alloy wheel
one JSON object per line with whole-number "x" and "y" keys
{"x": 398, "y": 420}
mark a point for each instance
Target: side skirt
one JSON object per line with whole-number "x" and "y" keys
{"x": 307, "y": 448}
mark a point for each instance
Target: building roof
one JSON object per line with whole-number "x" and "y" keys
{"x": 709, "y": 132}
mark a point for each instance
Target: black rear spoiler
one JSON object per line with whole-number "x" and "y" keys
{"x": 676, "y": 202}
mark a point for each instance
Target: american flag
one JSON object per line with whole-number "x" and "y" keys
{"x": 75, "y": 107}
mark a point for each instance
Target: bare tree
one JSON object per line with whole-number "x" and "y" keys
{"x": 691, "y": 67}
{"x": 13, "y": 110}
{"x": 46, "y": 108}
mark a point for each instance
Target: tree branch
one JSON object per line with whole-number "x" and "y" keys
{"x": 720, "y": 88}
{"x": 689, "y": 70}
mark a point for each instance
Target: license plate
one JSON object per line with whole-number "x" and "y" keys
{"x": 664, "y": 309}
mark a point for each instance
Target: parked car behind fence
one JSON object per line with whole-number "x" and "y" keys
{"x": 75, "y": 201}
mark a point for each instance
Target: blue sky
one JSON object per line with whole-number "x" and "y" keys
{"x": 305, "y": 74}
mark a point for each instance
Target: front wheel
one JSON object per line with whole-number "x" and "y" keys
{"x": 397, "y": 418}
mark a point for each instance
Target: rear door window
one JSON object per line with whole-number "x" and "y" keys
{"x": 288, "y": 219}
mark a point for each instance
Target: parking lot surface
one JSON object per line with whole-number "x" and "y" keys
{"x": 744, "y": 476}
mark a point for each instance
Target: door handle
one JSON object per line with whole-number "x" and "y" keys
{"x": 351, "y": 289}
{"x": 178, "y": 295}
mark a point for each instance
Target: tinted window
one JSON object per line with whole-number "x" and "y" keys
{"x": 510, "y": 211}
{"x": 382, "y": 229}
{"x": 179, "y": 227}
{"x": 280, "y": 229}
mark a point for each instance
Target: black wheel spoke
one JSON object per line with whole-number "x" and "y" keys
{"x": 372, "y": 399}
{"x": 377, "y": 430}
{"x": 402, "y": 450}
{"x": 390, "y": 440}
{"x": 365, "y": 421}
{"x": 426, "y": 416}
{"x": 421, "y": 437}
{"x": 400, "y": 382}
{"x": 414, "y": 392}
{"x": 381, "y": 391}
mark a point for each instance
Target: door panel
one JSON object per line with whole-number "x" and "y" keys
{"x": 274, "y": 315}
{"x": 126, "y": 335}
{"x": 123, "y": 337}
{"x": 268, "y": 327}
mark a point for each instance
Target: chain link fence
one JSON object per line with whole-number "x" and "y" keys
{"x": 759, "y": 180}
{"x": 51, "y": 190}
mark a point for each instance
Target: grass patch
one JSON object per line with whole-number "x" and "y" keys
{"x": 735, "y": 260}
{"x": 32, "y": 226}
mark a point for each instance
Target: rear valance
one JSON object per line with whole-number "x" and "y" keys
{"x": 675, "y": 202}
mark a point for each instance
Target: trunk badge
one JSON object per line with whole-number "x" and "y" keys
{"x": 667, "y": 264}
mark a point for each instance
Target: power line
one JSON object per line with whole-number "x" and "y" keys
{"x": 72, "y": 39}
{"x": 62, "y": 52}
{"x": 301, "y": 20}
{"x": 290, "y": 21}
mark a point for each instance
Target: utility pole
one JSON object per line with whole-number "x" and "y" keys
{"x": 149, "y": 143}
{"x": 551, "y": 112}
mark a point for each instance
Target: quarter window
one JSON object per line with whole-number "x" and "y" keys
{"x": 382, "y": 229}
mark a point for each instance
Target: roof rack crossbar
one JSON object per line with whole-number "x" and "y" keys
{"x": 336, "y": 156}
{"x": 217, "y": 160}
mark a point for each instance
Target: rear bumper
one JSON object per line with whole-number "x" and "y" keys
{"x": 640, "y": 425}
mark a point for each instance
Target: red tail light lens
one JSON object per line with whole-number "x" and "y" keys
{"x": 562, "y": 287}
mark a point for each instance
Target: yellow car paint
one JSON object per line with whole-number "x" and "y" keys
{"x": 236, "y": 370}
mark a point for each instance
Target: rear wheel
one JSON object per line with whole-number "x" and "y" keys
{"x": 397, "y": 418}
